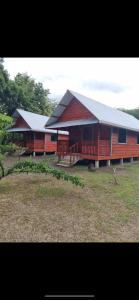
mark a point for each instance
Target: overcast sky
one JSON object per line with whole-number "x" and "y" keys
{"x": 112, "y": 81}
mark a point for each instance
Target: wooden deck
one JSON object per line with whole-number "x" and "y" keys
{"x": 95, "y": 152}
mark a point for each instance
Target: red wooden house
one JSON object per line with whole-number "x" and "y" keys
{"x": 33, "y": 135}
{"x": 96, "y": 131}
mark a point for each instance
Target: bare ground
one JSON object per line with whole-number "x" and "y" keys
{"x": 40, "y": 208}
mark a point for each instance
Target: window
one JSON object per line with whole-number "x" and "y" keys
{"x": 87, "y": 134}
{"x": 122, "y": 136}
{"x": 138, "y": 138}
{"x": 54, "y": 137}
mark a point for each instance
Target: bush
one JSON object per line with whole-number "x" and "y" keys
{"x": 41, "y": 167}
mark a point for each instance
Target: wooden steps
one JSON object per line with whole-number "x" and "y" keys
{"x": 69, "y": 160}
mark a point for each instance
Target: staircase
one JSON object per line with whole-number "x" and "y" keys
{"x": 68, "y": 156}
{"x": 69, "y": 160}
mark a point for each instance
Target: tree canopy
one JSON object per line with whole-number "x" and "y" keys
{"x": 23, "y": 92}
{"x": 5, "y": 122}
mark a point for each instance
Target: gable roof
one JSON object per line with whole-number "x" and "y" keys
{"x": 103, "y": 113}
{"x": 35, "y": 122}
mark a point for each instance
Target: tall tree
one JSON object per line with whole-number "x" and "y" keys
{"x": 33, "y": 97}
{"x": 5, "y": 122}
{"x": 23, "y": 92}
{"x": 4, "y": 78}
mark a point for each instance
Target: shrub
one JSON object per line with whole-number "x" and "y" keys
{"x": 41, "y": 167}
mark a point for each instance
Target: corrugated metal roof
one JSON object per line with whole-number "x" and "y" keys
{"x": 32, "y": 119}
{"x": 105, "y": 114}
{"x": 73, "y": 123}
{"x": 36, "y": 122}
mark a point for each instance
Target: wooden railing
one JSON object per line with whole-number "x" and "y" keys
{"x": 62, "y": 149}
{"x": 88, "y": 149}
{"x": 62, "y": 146}
{"x": 83, "y": 148}
{"x": 74, "y": 148}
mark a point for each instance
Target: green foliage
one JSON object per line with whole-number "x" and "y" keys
{"x": 23, "y": 92}
{"x": 5, "y": 146}
{"x": 9, "y": 148}
{"x": 41, "y": 167}
{"x": 4, "y": 77}
{"x": 5, "y": 123}
{"x": 1, "y": 166}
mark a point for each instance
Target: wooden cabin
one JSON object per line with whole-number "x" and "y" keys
{"x": 96, "y": 131}
{"x": 29, "y": 131}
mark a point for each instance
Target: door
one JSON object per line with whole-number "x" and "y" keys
{"x": 75, "y": 138}
{"x": 88, "y": 140}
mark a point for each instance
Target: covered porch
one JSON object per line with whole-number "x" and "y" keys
{"x": 32, "y": 141}
{"x": 90, "y": 141}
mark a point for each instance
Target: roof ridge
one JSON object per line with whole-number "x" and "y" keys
{"x": 104, "y": 113}
{"x": 32, "y": 112}
{"x": 116, "y": 109}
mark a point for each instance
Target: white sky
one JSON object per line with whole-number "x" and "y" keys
{"x": 112, "y": 81}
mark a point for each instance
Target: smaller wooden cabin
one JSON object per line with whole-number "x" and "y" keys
{"x": 97, "y": 132}
{"x": 29, "y": 131}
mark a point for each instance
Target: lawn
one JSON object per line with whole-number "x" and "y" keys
{"x": 40, "y": 208}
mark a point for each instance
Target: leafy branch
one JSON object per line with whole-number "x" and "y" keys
{"x": 28, "y": 166}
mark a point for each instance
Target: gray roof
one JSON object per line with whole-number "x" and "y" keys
{"x": 73, "y": 123}
{"x": 103, "y": 113}
{"x": 36, "y": 130}
{"x": 36, "y": 122}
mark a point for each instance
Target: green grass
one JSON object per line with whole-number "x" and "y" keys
{"x": 125, "y": 193}
{"x": 46, "y": 192}
{"x": 60, "y": 211}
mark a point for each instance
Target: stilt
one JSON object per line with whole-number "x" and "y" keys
{"x": 44, "y": 153}
{"x": 34, "y": 154}
{"x": 108, "y": 163}
{"x": 131, "y": 159}
{"x": 121, "y": 161}
{"x": 96, "y": 164}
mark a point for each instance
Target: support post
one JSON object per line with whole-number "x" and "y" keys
{"x": 44, "y": 153}
{"x": 131, "y": 159}
{"x": 96, "y": 164}
{"x": 34, "y": 153}
{"x": 98, "y": 136}
{"x": 121, "y": 161}
{"x": 44, "y": 142}
{"x": 108, "y": 163}
{"x": 57, "y": 142}
{"x": 111, "y": 141}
